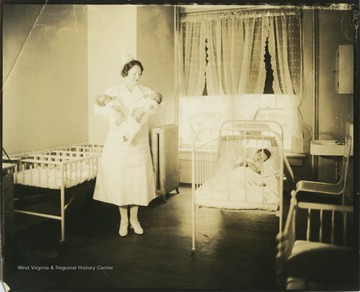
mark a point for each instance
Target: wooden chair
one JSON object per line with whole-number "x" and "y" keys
{"x": 323, "y": 190}
{"x": 315, "y": 250}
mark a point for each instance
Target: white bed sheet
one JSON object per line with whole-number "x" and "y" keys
{"x": 52, "y": 177}
{"x": 240, "y": 188}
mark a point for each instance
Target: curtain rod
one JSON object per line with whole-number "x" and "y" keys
{"x": 254, "y": 7}
{"x": 237, "y": 8}
{"x": 238, "y": 13}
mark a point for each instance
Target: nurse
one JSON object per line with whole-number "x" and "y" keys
{"x": 125, "y": 175}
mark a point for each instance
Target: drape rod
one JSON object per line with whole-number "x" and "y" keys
{"x": 258, "y": 7}
{"x": 237, "y": 13}
{"x": 237, "y": 8}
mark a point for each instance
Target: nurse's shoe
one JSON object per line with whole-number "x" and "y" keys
{"x": 137, "y": 227}
{"x": 123, "y": 231}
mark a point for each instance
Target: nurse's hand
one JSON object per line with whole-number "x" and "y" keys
{"x": 138, "y": 114}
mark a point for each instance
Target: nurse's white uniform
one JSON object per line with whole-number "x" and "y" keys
{"x": 125, "y": 175}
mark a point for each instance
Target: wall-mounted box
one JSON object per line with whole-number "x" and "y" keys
{"x": 344, "y": 71}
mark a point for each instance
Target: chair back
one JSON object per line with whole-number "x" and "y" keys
{"x": 345, "y": 163}
{"x": 319, "y": 239}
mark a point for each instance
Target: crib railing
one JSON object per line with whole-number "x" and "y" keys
{"x": 84, "y": 147}
{"x": 56, "y": 169}
{"x": 204, "y": 158}
{"x": 76, "y": 148}
{"x": 61, "y": 169}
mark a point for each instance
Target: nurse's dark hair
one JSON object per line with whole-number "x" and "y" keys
{"x": 128, "y": 66}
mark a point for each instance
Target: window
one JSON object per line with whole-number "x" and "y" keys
{"x": 240, "y": 64}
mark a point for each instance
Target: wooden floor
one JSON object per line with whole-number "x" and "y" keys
{"x": 235, "y": 250}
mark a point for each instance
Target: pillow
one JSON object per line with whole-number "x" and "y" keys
{"x": 272, "y": 165}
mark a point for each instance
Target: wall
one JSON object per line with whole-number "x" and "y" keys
{"x": 334, "y": 109}
{"x": 307, "y": 104}
{"x": 44, "y": 76}
{"x": 155, "y": 39}
{"x": 332, "y": 28}
{"x": 111, "y": 33}
{"x": 147, "y": 33}
{"x": 53, "y": 74}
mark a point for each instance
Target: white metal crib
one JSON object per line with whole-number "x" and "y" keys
{"x": 217, "y": 183}
{"x": 58, "y": 168}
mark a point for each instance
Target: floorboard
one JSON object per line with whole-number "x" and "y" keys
{"x": 234, "y": 250}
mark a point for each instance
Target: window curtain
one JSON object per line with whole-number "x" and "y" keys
{"x": 193, "y": 56}
{"x": 236, "y": 50}
{"x": 285, "y": 50}
{"x": 235, "y": 43}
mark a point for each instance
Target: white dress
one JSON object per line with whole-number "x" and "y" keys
{"x": 125, "y": 175}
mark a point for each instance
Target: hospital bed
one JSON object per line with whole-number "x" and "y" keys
{"x": 217, "y": 181}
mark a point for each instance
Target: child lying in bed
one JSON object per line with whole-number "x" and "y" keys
{"x": 255, "y": 163}
{"x": 127, "y": 126}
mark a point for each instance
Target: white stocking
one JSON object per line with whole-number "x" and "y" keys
{"x": 124, "y": 215}
{"x": 134, "y": 213}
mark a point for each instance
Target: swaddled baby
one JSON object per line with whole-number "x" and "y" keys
{"x": 127, "y": 126}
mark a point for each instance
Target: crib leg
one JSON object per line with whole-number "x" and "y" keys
{"x": 62, "y": 206}
{"x": 193, "y": 230}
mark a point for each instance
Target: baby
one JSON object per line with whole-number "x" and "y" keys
{"x": 255, "y": 164}
{"x": 149, "y": 101}
{"x": 127, "y": 126}
{"x": 146, "y": 104}
{"x": 112, "y": 105}
{"x": 155, "y": 96}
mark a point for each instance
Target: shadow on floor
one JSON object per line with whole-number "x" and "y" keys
{"x": 234, "y": 250}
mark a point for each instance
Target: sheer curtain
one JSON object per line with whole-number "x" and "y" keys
{"x": 285, "y": 49}
{"x": 234, "y": 60}
{"x": 235, "y": 55}
{"x": 226, "y": 51}
{"x": 193, "y": 57}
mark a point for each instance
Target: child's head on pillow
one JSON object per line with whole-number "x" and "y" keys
{"x": 261, "y": 155}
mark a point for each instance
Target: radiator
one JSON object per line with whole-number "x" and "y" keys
{"x": 165, "y": 156}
